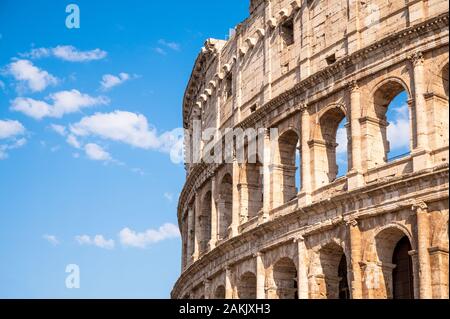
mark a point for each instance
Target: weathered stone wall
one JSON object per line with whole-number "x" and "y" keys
{"x": 303, "y": 67}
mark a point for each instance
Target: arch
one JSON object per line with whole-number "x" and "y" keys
{"x": 393, "y": 244}
{"x": 247, "y": 286}
{"x": 285, "y": 279}
{"x": 285, "y": 172}
{"x": 388, "y": 125}
{"x": 333, "y": 262}
{"x": 325, "y": 147}
{"x": 205, "y": 222}
{"x": 219, "y": 293}
{"x": 225, "y": 205}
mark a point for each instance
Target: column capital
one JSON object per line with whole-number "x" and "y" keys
{"x": 352, "y": 222}
{"x": 420, "y": 206}
{"x": 416, "y": 58}
{"x": 299, "y": 239}
{"x": 353, "y": 86}
{"x": 303, "y": 107}
{"x": 258, "y": 254}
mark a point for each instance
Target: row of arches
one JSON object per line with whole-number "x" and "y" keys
{"x": 332, "y": 277}
{"x": 388, "y": 130}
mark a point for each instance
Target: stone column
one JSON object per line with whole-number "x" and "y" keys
{"x": 423, "y": 243}
{"x": 260, "y": 277}
{"x": 191, "y": 236}
{"x": 439, "y": 271}
{"x": 267, "y": 178}
{"x": 306, "y": 156}
{"x": 243, "y": 200}
{"x": 234, "y": 228}
{"x": 355, "y": 176}
{"x": 355, "y": 256}
{"x": 228, "y": 285}
{"x": 302, "y": 273}
{"x": 214, "y": 216}
{"x": 268, "y": 57}
{"x": 421, "y": 157}
{"x": 197, "y": 232}
{"x": 207, "y": 289}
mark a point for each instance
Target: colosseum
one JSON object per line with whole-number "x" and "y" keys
{"x": 300, "y": 222}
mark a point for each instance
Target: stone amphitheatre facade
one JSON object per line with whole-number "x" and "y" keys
{"x": 275, "y": 229}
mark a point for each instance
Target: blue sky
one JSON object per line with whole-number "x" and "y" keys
{"x": 87, "y": 121}
{"x": 58, "y": 190}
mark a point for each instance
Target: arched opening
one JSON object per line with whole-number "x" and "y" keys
{"x": 330, "y": 147}
{"x": 334, "y": 270}
{"x": 445, "y": 80}
{"x": 391, "y": 130}
{"x": 251, "y": 189}
{"x": 288, "y": 149}
{"x": 395, "y": 273}
{"x": 402, "y": 275}
{"x": 285, "y": 279}
{"x": 247, "y": 286}
{"x": 225, "y": 205}
{"x": 205, "y": 222}
{"x": 219, "y": 293}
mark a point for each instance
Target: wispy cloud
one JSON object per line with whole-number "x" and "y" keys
{"x": 171, "y": 45}
{"x": 168, "y": 196}
{"x": 167, "y": 45}
{"x": 66, "y": 53}
{"x": 131, "y": 238}
{"x": 10, "y": 136}
{"x": 51, "y": 239}
{"x": 97, "y": 241}
{"x": 64, "y": 102}
{"x": 109, "y": 81}
{"x": 30, "y": 76}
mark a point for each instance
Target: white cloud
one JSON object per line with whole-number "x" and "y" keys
{"x": 63, "y": 102}
{"x": 98, "y": 241}
{"x": 132, "y": 129}
{"x": 398, "y": 132}
{"x": 67, "y": 53}
{"x": 119, "y": 126}
{"x": 131, "y": 238}
{"x": 109, "y": 81}
{"x": 96, "y": 153}
{"x": 9, "y": 128}
{"x": 36, "y": 79}
{"x": 341, "y": 139}
{"x": 59, "y": 129}
{"x": 51, "y": 239}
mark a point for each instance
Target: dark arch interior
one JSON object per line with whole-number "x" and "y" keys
{"x": 402, "y": 275}
{"x": 344, "y": 289}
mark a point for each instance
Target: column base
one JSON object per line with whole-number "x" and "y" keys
{"x": 421, "y": 159}
{"x": 355, "y": 179}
